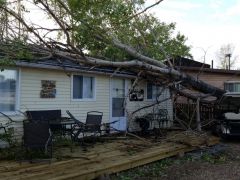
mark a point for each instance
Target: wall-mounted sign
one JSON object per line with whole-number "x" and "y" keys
{"x": 136, "y": 95}
{"x": 48, "y": 89}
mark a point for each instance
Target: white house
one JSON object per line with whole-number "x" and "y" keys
{"x": 49, "y": 85}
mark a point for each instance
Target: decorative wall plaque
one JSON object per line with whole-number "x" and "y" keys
{"x": 48, "y": 89}
{"x": 136, "y": 95}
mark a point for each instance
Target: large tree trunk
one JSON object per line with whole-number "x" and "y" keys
{"x": 186, "y": 79}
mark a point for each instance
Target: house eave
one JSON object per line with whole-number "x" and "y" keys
{"x": 220, "y": 71}
{"x": 72, "y": 69}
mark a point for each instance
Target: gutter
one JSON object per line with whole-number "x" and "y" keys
{"x": 71, "y": 69}
{"x": 223, "y": 71}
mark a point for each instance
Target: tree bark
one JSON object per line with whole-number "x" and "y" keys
{"x": 177, "y": 75}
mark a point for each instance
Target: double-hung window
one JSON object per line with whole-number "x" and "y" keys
{"x": 232, "y": 86}
{"x": 83, "y": 87}
{"x": 152, "y": 91}
{"x": 8, "y": 90}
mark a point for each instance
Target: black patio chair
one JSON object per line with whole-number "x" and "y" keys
{"x": 162, "y": 117}
{"x": 48, "y": 116}
{"x": 92, "y": 125}
{"x": 3, "y": 126}
{"x": 37, "y": 137}
{"x": 93, "y": 122}
{"x": 77, "y": 128}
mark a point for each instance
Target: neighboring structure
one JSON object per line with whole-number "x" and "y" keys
{"x": 49, "y": 84}
{"x": 225, "y": 79}
{"x": 185, "y": 108}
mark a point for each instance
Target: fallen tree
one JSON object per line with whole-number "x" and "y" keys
{"x": 64, "y": 16}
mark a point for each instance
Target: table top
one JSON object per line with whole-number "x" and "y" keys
{"x": 62, "y": 122}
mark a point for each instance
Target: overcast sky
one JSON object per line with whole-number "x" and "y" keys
{"x": 208, "y": 24}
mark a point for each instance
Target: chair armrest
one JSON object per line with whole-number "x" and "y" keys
{"x": 66, "y": 118}
{"x": 104, "y": 124}
{"x": 90, "y": 125}
{"x": 49, "y": 140}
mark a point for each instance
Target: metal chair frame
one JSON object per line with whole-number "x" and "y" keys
{"x": 37, "y": 136}
{"x": 90, "y": 126}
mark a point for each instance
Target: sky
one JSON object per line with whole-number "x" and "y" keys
{"x": 208, "y": 24}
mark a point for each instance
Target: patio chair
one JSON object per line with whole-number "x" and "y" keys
{"x": 4, "y": 126}
{"x": 162, "y": 117}
{"x": 48, "y": 116}
{"x": 37, "y": 136}
{"x": 92, "y": 125}
{"x": 93, "y": 122}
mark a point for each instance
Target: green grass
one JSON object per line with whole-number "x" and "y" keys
{"x": 159, "y": 168}
{"x": 150, "y": 170}
{"x": 214, "y": 159}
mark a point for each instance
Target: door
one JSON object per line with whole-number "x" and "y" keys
{"x": 118, "y": 93}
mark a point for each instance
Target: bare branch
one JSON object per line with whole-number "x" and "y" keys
{"x": 20, "y": 19}
{"x": 144, "y": 10}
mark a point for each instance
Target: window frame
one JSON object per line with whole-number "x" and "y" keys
{"x": 146, "y": 95}
{"x": 231, "y": 82}
{"x": 111, "y": 96}
{"x": 94, "y": 88}
{"x": 17, "y": 91}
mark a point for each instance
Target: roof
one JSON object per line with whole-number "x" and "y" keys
{"x": 220, "y": 71}
{"x": 68, "y": 65}
{"x": 185, "y": 62}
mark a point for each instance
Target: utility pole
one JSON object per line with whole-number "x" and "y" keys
{"x": 229, "y": 60}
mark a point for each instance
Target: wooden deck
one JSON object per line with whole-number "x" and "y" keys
{"x": 105, "y": 158}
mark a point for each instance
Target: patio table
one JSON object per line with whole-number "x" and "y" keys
{"x": 64, "y": 122}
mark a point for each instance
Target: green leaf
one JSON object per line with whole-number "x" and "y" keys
{"x": 145, "y": 32}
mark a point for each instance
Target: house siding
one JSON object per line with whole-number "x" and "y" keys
{"x": 132, "y": 106}
{"x": 215, "y": 79}
{"x": 30, "y": 87}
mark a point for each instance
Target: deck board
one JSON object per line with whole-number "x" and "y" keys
{"x": 107, "y": 158}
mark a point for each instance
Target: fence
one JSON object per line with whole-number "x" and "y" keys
{"x": 187, "y": 113}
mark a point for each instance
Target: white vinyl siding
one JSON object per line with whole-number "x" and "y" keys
{"x": 30, "y": 96}
{"x": 134, "y": 105}
{"x": 30, "y": 88}
{"x": 31, "y": 85}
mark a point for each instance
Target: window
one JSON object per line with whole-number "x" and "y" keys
{"x": 152, "y": 91}
{"x": 232, "y": 86}
{"x": 118, "y": 97}
{"x": 83, "y": 87}
{"x": 8, "y": 90}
